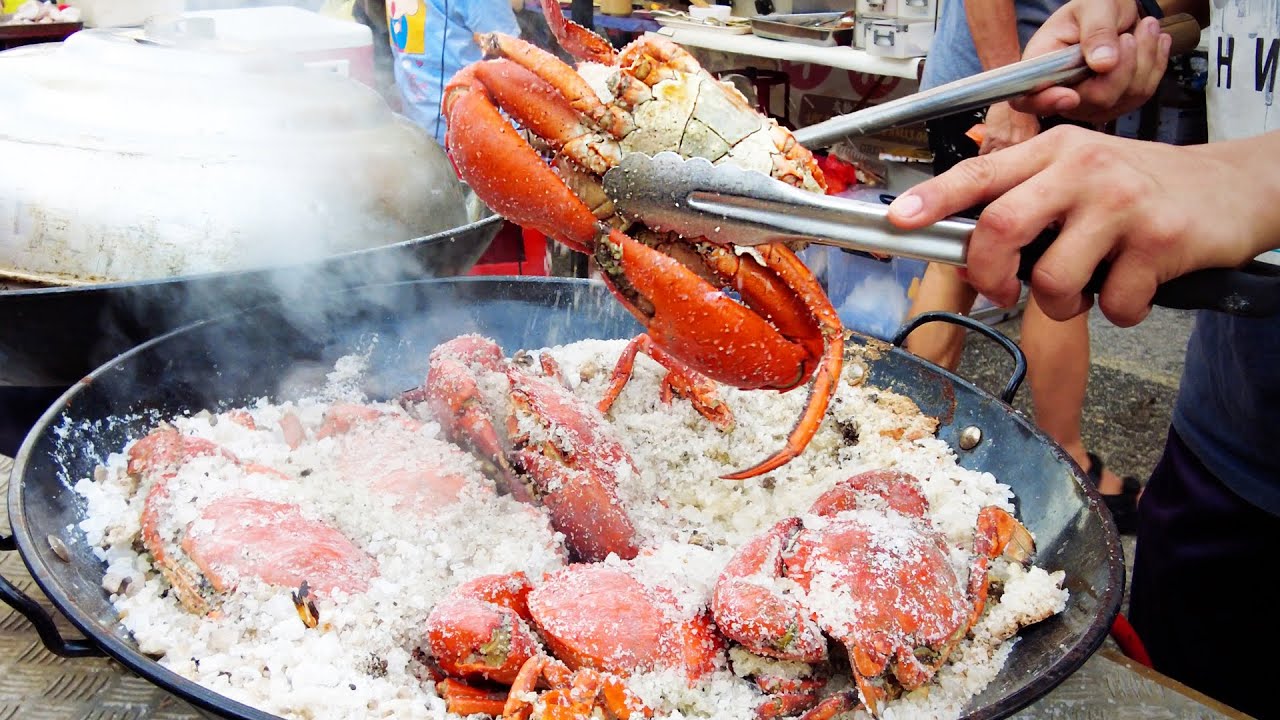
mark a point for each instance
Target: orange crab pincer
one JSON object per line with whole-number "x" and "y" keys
{"x": 876, "y": 576}
{"x": 779, "y": 333}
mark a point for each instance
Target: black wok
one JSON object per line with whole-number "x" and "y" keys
{"x": 51, "y": 337}
{"x": 282, "y": 351}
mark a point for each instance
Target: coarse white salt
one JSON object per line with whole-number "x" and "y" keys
{"x": 429, "y": 519}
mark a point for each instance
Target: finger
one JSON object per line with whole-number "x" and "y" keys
{"x": 1164, "y": 43}
{"x": 1010, "y": 222}
{"x": 1100, "y": 23}
{"x": 973, "y": 181}
{"x": 1059, "y": 278}
{"x": 1050, "y": 101}
{"x": 1104, "y": 91}
{"x": 1147, "y": 36}
{"x": 1127, "y": 292}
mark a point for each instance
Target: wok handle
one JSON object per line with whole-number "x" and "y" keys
{"x": 964, "y": 321}
{"x": 43, "y": 622}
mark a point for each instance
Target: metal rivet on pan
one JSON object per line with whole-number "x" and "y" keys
{"x": 59, "y": 548}
{"x": 970, "y": 437}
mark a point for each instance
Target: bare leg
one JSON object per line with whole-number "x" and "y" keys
{"x": 1058, "y": 372}
{"x": 941, "y": 289}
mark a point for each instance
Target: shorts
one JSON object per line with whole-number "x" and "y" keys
{"x": 1198, "y": 598}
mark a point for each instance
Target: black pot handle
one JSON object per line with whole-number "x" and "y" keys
{"x": 45, "y": 627}
{"x": 964, "y": 321}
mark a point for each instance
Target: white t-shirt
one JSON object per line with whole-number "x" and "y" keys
{"x": 1244, "y": 60}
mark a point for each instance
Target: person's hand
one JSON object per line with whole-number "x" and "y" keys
{"x": 1155, "y": 211}
{"x": 1005, "y": 126}
{"x": 1129, "y": 58}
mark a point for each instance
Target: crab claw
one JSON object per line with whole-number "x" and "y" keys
{"x": 747, "y": 608}
{"x": 479, "y": 631}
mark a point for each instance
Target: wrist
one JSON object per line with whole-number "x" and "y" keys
{"x": 1253, "y": 200}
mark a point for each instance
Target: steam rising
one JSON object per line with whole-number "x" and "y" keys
{"x": 234, "y": 170}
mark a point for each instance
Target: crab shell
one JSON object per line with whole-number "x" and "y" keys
{"x": 901, "y": 607}
{"x": 590, "y": 616}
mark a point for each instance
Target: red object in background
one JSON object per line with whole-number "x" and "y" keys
{"x": 1130, "y": 644}
{"x": 840, "y": 174}
{"x": 514, "y": 251}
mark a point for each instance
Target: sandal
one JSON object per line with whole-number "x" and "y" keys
{"x": 1123, "y": 505}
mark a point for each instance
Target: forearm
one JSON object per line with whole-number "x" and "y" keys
{"x": 1255, "y": 163}
{"x": 993, "y": 24}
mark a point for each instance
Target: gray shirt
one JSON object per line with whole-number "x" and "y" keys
{"x": 952, "y": 55}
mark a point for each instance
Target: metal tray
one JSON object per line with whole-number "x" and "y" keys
{"x": 806, "y": 28}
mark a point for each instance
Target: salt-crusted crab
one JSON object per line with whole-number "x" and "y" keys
{"x": 784, "y": 330}
{"x": 867, "y": 569}
{"x": 204, "y": 551}
{"x": 598, "y": 623}
{"x": 546, "y": 444}
{"x": 232, "y": 538}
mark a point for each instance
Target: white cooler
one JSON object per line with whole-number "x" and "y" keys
{"x": 321, "y": 42}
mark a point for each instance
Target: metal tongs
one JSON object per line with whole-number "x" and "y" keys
{"x": 1062, "y": 67}
{"x": 725, "y": 203}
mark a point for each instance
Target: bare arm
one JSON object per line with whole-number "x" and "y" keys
{"x": 993, "y": 24}
{"x": 994, "y": 27}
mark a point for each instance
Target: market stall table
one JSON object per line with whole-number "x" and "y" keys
{"x": 841, "y": 57}
{"x": 37, "y": 685}
{"x": 14, "y": 35}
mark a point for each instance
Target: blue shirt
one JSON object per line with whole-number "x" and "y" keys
{"x": 952, "y": 55}
{"x": 1228, "y": 407}
{"x": 431, "y": 40}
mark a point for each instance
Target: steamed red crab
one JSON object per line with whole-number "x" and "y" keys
{"x": 598, "y": 625}
{"x": 543, "y": 443}
{"x": 868, "y": 570}
{"x": 233, "y": 537}
{"x": 784, "y": 331}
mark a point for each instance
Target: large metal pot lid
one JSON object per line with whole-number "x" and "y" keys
{"x": 141, "y": 90}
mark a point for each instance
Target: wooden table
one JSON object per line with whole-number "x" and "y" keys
{"x": 13, "y": 35}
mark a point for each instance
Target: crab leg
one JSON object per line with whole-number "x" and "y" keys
{"x": 455, "y": 400}
{"x": 572, "y": 90}
{"x": 462, "y": 699}
{"x": 832, "y": 706}
{"x": 577, "y": 40}
{"x": 679, "y": 380}
{"x": 791, "y": 287}
{"x": 998, "y": 534}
